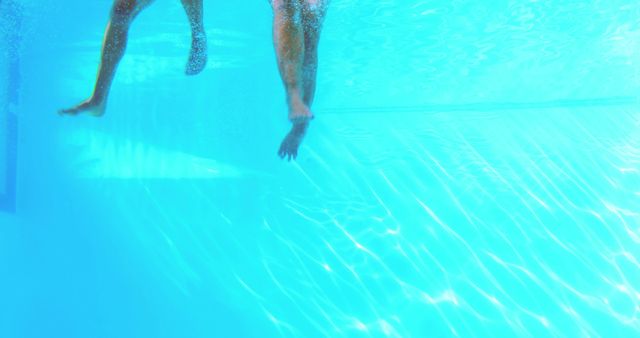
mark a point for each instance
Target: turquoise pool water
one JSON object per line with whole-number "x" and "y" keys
{"x": 473, "y": 171}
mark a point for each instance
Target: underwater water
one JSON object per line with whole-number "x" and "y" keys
{"x": 473, "y": 171}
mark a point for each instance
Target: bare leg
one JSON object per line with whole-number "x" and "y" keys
{"x": 298, "y": 62}
{"x": 113, "y": 47}
{"x": 288, "y": 38}
{"x": 198, "y": 54}
{"x": 313, "y": 15}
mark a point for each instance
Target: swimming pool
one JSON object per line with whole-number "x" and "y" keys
{"x": 473, "y": 171}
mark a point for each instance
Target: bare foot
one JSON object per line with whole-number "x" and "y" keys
{"x": 198, "y": 54}
{"x": 89, "y": 106}
{"x": 289, "y": 146}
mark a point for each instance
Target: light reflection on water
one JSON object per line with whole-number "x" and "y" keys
{"x": 473, "y": 171}
{"x": 474, "y": 51}
{"x": 470, "y": 224}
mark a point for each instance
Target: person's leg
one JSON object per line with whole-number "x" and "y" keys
{"x": 288, "y": 38}
{"x": 198, "y": 54}
{"x": 113, "y": 47}
{"x": 298, "y": 62}
{"x": 313, "y": 13}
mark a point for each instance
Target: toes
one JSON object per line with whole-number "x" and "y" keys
{"x": 282, "y": 152}
{"x": 68, "y": 111}
{"x": 289, "y": 154}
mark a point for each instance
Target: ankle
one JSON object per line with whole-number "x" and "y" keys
{"x": 96, "y": 100}
{"x": 198, "y": 32}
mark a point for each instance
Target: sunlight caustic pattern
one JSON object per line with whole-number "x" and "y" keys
{"x": 473, "y": 170}
{"x": 469, "y": 224}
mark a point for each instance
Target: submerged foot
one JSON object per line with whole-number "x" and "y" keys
{"x": 197, "y": 55}
{"x": 89, "y": 106}
{"x": 300, "y": 115}
{"x": 291, "y": 142}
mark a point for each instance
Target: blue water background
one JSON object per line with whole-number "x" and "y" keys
{"x": 473, "y": 171}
